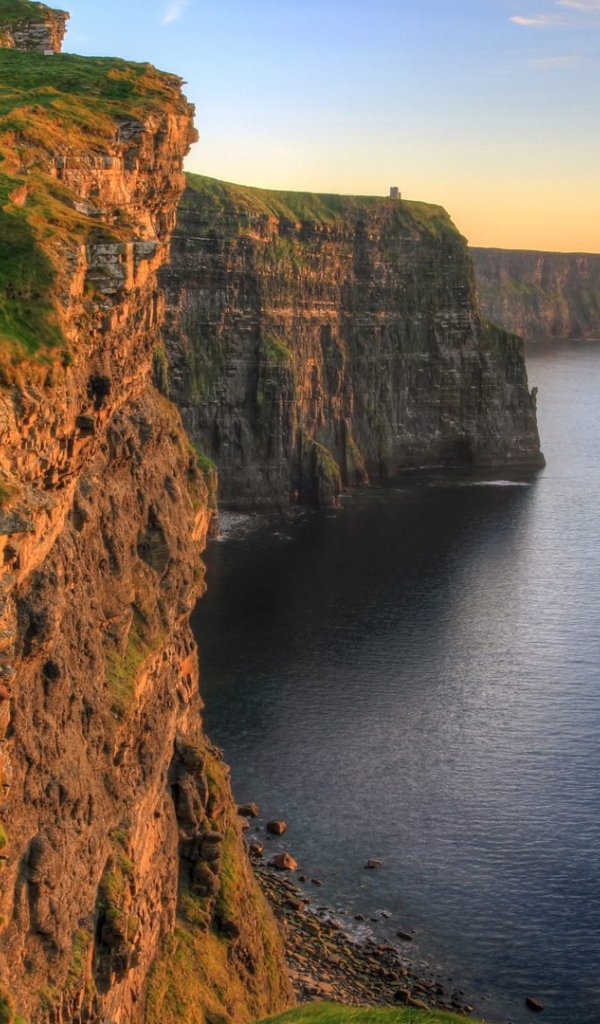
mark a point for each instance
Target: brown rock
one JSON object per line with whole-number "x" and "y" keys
{"x": 284, "y": 862}
{"x": 404, "y": 936}
{"x": 257, "y": 849}
{"x": 534, "y": 1004}
{"x": 294, "y": 902}
{"x": 373, "y": 864}
{"x": 417, "y": 1003}
{"x": 276, "y": 828}
{"x": 249, "y": 810}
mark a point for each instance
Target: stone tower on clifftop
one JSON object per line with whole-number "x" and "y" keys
{"x": 32, "y": 26}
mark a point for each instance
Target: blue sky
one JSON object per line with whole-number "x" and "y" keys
{"x": 488, "y": 107}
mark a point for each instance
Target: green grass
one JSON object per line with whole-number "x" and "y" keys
{"x": 325, "y": 464}
{"x": 122, "y": 670}
{"x": 226, "y": 203}
{"x": 333, "y": 1013}
{"x": 209, "y": 473}
{"x": 6, "y": 1010}
{"x": 12, "y": 11}
{"x": 49, "y": 106}
{"x": 82, "y": 943}
{"x": 274, "y": 350}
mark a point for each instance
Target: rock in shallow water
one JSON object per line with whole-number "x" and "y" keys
{"x": 284, "y": 862}
{"x": 249, "y": 810}
{"x": 276, "y": 828}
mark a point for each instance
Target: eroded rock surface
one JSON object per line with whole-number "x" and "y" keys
{"x": 121, "y": 845}
{"x": 320, "y": 341}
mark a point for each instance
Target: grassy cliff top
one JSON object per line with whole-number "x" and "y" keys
{"x": 333, "y": 1013}
{"x": 324, "y": 210}
{"x": 14, "y": 11}
{"x": 54, "y": 106}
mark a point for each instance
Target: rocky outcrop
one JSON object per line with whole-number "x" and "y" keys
{"x": 121, "y": 849}
{"x": 321, "y": 341}
{"x": 31, "y": 26}
{"x": 540, "y": 295}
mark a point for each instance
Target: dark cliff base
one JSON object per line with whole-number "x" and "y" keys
{"x": 321, "y": 341}
{"x": 541, "y": 295}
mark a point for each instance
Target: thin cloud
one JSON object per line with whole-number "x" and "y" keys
{"x": 580, "y": 5}
{"x": 541, "y": 22}
{"x": 174, "y": 11}
{"x": 566, "y": 12}
{"x": 555, "y": 63}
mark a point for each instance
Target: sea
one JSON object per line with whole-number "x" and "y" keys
{"x": 415, "y": 678}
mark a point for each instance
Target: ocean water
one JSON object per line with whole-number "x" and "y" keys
{"x": 416, "y": 678}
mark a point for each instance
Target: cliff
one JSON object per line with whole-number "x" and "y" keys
{"x": 31, "y": 26}
{"x": 540, "y": 295}
{"x": 124, "y": 888}
{"x": 316, "y": 341}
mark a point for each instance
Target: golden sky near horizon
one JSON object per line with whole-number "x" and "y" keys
{"x": 489, "y": 108}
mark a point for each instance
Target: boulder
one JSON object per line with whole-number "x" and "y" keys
{"x": 276, "y": 828}
{"x": 284, "y": 862}
{"x": 249, "y": 810}
{"x": 534, "y": 1004}
{"x": 373, "y": 864}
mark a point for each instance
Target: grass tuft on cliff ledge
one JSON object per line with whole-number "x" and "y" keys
{"x": 52, "y": 108}
{"x": 333, "y": 1013}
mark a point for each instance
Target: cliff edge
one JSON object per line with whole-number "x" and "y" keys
{"x": 31, "y": 26}
{"x": 124, "y": 889}
{"x": 319, "y": 341}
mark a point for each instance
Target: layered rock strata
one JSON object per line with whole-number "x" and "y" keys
{"x": 540, "y": 295}
{"x": 321, "y": 341}
{"x": 31, "y": 26}
{"x": 123, "y": 870}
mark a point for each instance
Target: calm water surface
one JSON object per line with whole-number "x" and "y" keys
{"x": 416, "y": 678}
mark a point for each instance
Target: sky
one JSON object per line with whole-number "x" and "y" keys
{"x": 490, "y": 108}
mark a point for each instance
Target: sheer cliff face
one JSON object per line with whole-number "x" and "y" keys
{"x": 540, "y": 295}
{"x": 117, "y": 819}
{"x": 315, "y": 340}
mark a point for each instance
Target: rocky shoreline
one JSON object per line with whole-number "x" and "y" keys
{"x": 329, "y": 959}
